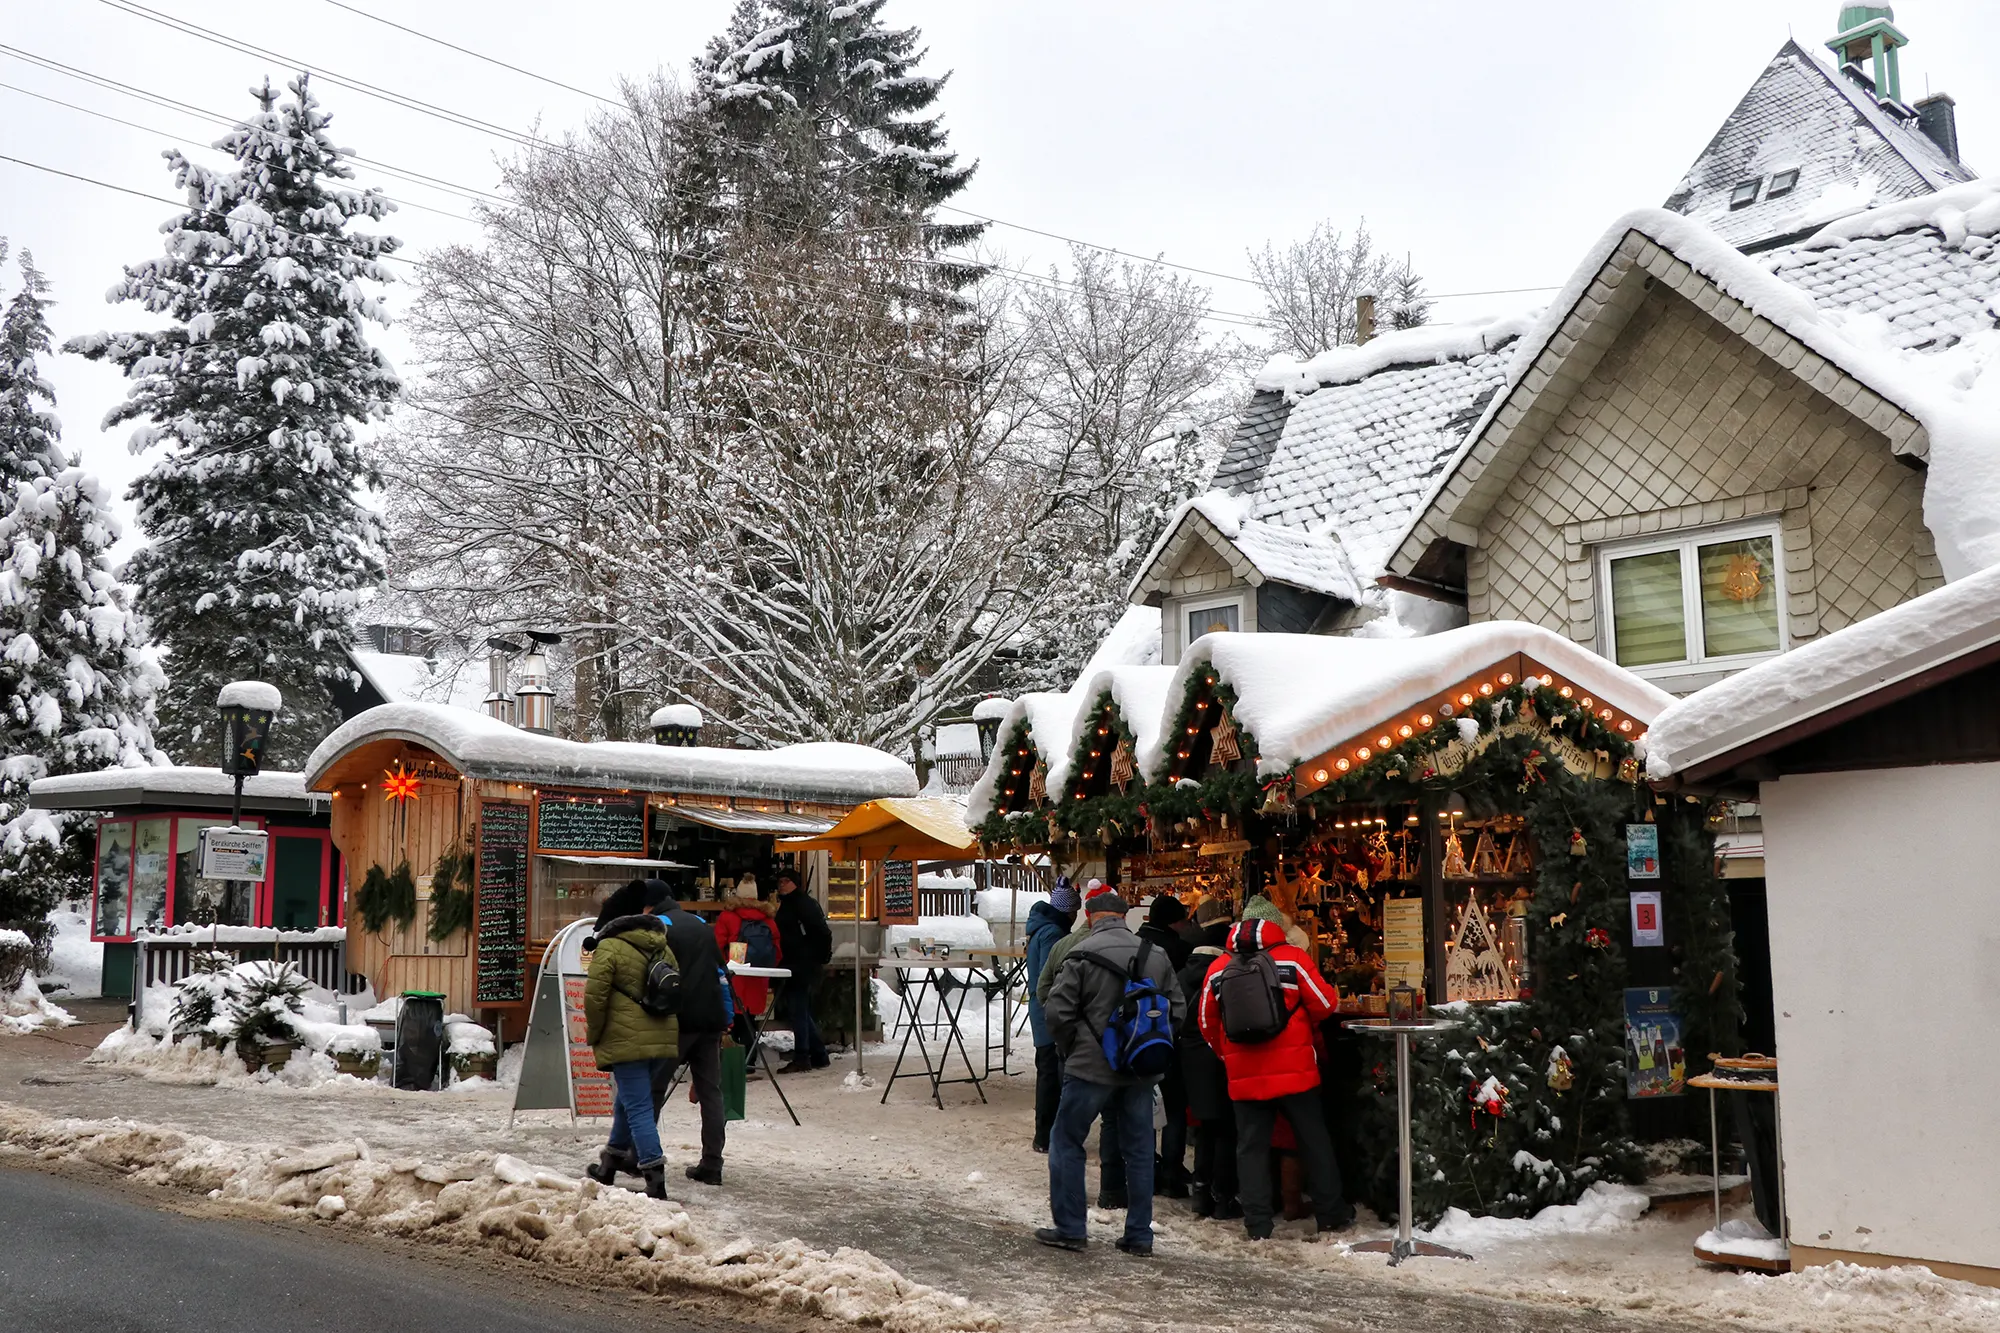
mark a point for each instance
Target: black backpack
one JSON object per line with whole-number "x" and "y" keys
{"x": 660, "y": 995}
{"x": 760, "y": 945}
{"x": 1250, "y": 994}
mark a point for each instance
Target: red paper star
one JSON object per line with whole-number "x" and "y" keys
{"x": 400, "y": 786}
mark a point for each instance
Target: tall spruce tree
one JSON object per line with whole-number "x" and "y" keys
{"x": 76, "y": 683}
{"x": 260, "y": 547}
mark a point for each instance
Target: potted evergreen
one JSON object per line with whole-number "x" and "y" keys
{"x": 269, "y": 996}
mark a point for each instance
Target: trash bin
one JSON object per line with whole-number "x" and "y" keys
{"x": 420, "y": 1050}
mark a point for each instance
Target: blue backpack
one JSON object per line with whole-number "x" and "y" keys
{"x": 760, "y": 946}
{"x": 1138, "y": 1039}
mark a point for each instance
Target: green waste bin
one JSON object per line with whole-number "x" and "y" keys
{"x": 735, "y": 1081}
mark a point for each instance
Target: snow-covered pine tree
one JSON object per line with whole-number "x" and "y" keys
{"x": 260, "y": 546}
{"x": 76, "y": 683}
{"x": 1409, "y": 305}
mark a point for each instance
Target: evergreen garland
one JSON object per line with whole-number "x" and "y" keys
{"x": 385, "y": 896}
{"x": 451, "y": 893}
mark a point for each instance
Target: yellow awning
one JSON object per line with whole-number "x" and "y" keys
{"x": 894, "y": 828}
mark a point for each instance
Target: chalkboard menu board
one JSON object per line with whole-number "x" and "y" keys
{"x": 583, "y": 822}
{"x": 899, "y": 893}
{"x": 501, "y": 925}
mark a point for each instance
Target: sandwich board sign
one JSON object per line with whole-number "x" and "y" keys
{"x": 557, "y": 1069}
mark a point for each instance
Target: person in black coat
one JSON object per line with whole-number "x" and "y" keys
{"x": 1207, "y": 1082}
{"x": 704, "y": 1017}
{"x": 805, "y": 942}
{"x": 1170, "y": 1175}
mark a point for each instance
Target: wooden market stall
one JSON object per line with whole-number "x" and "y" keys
{"x": 471, "y": 842}
{"x": 1456, "y": 820}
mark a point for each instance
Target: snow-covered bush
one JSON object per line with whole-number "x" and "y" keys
{"x": 204, "y": 997}
{"x": 17, "y": 953}
{"x": 267, "y": 1001}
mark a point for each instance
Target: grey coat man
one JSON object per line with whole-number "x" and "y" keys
{"x": 1085, "y": 994}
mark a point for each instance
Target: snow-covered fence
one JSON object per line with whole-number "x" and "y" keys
{"x": 944, "y": 895}
{"x": 319, "y": 955}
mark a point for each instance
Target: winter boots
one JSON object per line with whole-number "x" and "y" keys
{"x": 656, "y": 1180}
{"x": 610, "y": 1162}
{"x": 706, "y": 1173}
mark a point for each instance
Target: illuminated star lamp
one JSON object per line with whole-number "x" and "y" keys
{"x": 399, "y": 785}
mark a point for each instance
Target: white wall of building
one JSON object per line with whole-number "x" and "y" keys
{"x": 1884, "y": 892}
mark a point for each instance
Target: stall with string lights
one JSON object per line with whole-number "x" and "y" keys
{"x": 471, "y": 843}
{"x": 1456, "y": 820}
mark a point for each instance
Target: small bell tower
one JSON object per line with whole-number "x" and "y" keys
{"x": 1869, "y": 32}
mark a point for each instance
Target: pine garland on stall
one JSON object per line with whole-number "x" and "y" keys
{"x": 451, "y": 893}
{"x": 386, "y": 896}
{"x": 253, "y": 383}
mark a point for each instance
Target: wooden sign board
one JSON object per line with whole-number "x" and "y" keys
{"x": 899, "y": 893}
{"x": 612, "y": 824}
{"x": 500, "y": 909}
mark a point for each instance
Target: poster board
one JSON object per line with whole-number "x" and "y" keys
{"x": 1655, "y": 1061}
{"x": 899, "y": 893}
{"x": 1647, "y": 930}
{"x": 600, "y": 822}
{"x": 1642, "y": 851}
{"x": 1403, "y": 942}
{"x": 557, "y": 1069}
{"x": 500, "y": 907}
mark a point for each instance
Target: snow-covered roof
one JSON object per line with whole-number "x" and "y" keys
{"x": 1801, "y": 115}
{"x": 1894, "y": 645}
{"x": 170, "y": 784}
{"x": 250, "y": 694}
{"x": 1332, "y": 453}
{"x": 483, "y": 747}
{"x": 1134, "y": 640}
{"x": 407, "y": 678}
{"x": 1048, "y": 717}
{"x": 1301, "y": 694}
{"x": 1138, "y": 692}
{"x": 1898, "y": 301}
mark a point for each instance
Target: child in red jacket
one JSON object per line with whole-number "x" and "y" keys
{"x": 1281, "y": 1074}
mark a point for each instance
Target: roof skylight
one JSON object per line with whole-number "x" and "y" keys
{"x": 1783, "y": 183}
{"x": 1745, "y": 192}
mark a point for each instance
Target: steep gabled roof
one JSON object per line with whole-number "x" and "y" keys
{"x": 1862, "y": 311}
{"x": 1257, "y": 553}
{"x": 1850, "y": 152}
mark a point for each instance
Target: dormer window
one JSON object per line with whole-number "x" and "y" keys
{"x": 1745, "y": 193}
{"x": 1783, "y": 183}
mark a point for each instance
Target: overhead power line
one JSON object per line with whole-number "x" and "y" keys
{"x": 476, "y": 55}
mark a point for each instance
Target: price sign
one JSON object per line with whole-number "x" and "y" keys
{"x": 590, "y": 822}
{"x": 899, "y": 893}
{"x": 500, "y": 921}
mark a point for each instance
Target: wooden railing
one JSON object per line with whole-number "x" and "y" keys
{"x": 322, "y": 962}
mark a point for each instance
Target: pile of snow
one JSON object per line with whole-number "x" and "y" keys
{"x": 250, "y": 694}
{"x": 465, "y": 1037}
{"x": 960, "y": 932}
{"x": 499, "y": 1204}
{"x": 27, "y": 1009}
{"x": 1745, "y": 1238}
{"x": 1425, "y": 345}
{"x": 1603, "y": 1207}
{"x": 992, "y": 706}
{"x": 996, "y": 904}
{"x": 76, "y": 962}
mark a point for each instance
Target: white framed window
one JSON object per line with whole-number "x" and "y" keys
{"x": 1208, "y": 618}
{"x": 1705, "y": 599}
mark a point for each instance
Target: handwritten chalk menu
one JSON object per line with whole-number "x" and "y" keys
{"x": 899, "y": 893}
{"x": 501, "y": 921}
{"x": 590, "y": 822}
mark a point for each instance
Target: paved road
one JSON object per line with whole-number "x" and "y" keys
{"x": 83, "y": 1255}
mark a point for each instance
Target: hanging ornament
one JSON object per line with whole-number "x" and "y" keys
{"x": 1526, "y": 711}
{"x": 1561, "y": 1073}
{"x": 1628, "y": 770}
{"x": 1121, "y": 765}
{"x": 1278, "y": 797}
{"x": 1577, "y": 846}
{"x": 1744, "y": 579}
{"x": 1597, "y": 937}
{"x": 400, "y": 785}
{"x": 1038, "y": 783}
{"x": 1222, "y": 747}
{"x": 1490, "y": 1096}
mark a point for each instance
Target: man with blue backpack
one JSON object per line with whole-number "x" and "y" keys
{"x": 1113, "y": 1010}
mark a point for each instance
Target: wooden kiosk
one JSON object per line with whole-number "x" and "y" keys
{"x": 546, "y": 828}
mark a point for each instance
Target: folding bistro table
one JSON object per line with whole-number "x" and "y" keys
{"x": 914, "y": 976}
{"x": 1404, "y": 1245}
{"x": 757, "y": 1047}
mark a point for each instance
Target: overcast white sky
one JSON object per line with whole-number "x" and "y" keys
{"x": 1492, "y": 142}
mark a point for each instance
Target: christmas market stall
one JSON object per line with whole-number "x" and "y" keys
{"x": 470, "y": 842}
{"x": 147, "y": 882}
{"x": 1455, "y": 824}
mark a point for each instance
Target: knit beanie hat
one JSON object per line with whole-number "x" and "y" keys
{"x": 1166, "y": 910}
{"x": 745, "y": 889}
{"x": 1261, "y": 908}
{"x": 1212, "y": 911}
{"x": 1064, "y": 898}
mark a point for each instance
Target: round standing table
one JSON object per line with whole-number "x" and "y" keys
{"x": 1404, "y": 1245}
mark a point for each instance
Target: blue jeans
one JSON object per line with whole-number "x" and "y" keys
{"x": 797, "y": 999}
{"x": 1131, "y": 1109}
{"x": 632, "y": 1123}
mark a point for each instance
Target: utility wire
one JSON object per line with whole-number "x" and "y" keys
{"x": 476, "y": 55}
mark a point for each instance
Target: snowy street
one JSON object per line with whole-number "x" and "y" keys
{"x": 947, "y": 1199}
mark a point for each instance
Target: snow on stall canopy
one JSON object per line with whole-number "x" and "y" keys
{"x": 483, "y": 747}
{"x": 1301, "y": 694}
{"x": 1918, "y": 328}
{"x": 249, "y": 694}
{"x": 162, "y": 784}
{"x": 1133, "y": 641}
{"x": 1048, "y": 717}
{"x": 1140, "y": 694}
{"x": 1887, "y": 647}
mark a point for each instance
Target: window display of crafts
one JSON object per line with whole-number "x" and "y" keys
{"x": 1488, "y": 872}
{"x": 1358, "y": 872}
